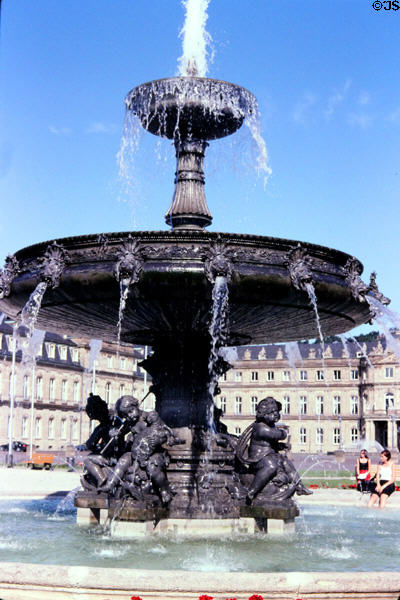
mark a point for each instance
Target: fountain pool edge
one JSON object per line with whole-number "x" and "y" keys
{"x": 20, "y": 581}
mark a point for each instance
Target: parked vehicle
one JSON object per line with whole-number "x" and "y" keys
{"x": 17, "y": 446}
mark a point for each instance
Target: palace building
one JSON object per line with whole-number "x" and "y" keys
{"x": 328, "y": 403}
{"x": 50, "y": 397}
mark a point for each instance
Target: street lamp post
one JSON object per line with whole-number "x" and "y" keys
{"x": 10, "y": 458}
{"x": 32, "y": 408}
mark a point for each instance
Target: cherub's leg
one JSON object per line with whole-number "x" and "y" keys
{"x": 94, "y": 465}
{"x": 264, "y": 474}
{"x": 159, "y": 481}
{"x": 118, "y": 472}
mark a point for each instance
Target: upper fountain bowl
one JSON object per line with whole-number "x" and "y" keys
{"x": 198, "y": 108}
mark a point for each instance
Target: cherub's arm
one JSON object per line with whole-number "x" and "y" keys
{"x": 265, "y": 432}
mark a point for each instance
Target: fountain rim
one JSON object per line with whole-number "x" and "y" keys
{"x": 191, "y": 78}
{"x": 339, "y": 257}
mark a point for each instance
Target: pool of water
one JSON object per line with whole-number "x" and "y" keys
{"x": 327, "y": 538}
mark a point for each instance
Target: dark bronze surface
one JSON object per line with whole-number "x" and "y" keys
{"x": 172, "y": 296}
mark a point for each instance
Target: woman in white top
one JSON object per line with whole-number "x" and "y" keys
{"x": 385, "y": 478}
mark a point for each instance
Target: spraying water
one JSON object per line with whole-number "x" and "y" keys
{"x": 293, "y": 356}
{"x": 344, "y": 341}
{"x": 387, "y": 320}
{"x": 31, "y": 309}
{"x": 218, "y": 330}
{"x": 196, "y": 39}
{"x": 31, "y": 349}
{"x": 364, "y": 354}
{"x": 95, "y": 347}
{"x": 313, "y": 301}
{"x": 123, "y": 297}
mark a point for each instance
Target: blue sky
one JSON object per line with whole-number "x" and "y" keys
{"x": 327, "y": 80}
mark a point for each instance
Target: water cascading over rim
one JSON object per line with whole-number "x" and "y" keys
{"x": 190, "y": 111}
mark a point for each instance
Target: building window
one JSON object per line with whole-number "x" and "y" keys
{"x": 51, "y": 390}
{"x": 25, "y": 387}
{"x": 254, "y": 375}
{"x": 64, "y": 390}
{"x": 38, "y": 428}
{"x": 303, "y": 375}
{"x": 354, "y": 405}
{"x": 286, "y": 405}
{"x": 75, "y": 355}
{"x": 51, "y": 429}
{"x": 270, "y": 376}
{"x": 354, "y": 374}
{"x": 336, "y": 436}
{"x": 63, "y": 429}
{"x": 238, "y": 375}
{"x": 76, "y": 392}
{"x": 389, "y": 372}
{"x": 75, "y": 429}
{"x": 337, "y": 374}
{"x": 303, "y": 435}
{"x": 24, "y": 427}
{"x": 222, "y": 404}
{"x": 389, "y": 401}
{"x": 39, "y": 388}
{"x": 108, "y": 393}
{"x": 354, "y": 435}
{"x": 286, "y": 376}
{"x": 62, "y": 350}
{"x": 320, "y": 376}
{"x": 320, "y": 405}
{"x": 51, "y": 350}
{"x": 303, "y": 405}
{"x": 336, "y": 405}
{"x": 238, "y": 405}
{"x": 223, "y": 377}
{"x": 121, "y": 389}
{"x": 109, "y": 362}
{"x": 253, "y": 407}
{"x": 238, "y": 430}
{"x": 122, "y": 363}
{"x": 319, "y": 438}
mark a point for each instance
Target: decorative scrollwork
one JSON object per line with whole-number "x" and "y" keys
{"x": 53, "y": 263}
{"x": 375, "y": 292}
{"x": 358, "y": 288}
{"x": 298, "y": 264}
{"x": 130, "y": 261}
{"x": 218, "y": 262}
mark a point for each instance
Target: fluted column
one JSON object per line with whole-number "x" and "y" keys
{"x": 189, "y": 208}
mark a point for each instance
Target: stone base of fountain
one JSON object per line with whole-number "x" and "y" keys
{"x": 65, "y": 582}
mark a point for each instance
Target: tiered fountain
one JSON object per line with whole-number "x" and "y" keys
{"x": 171, "y": 276}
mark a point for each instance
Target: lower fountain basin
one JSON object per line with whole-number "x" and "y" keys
{"x": 327, "y": 538}
{"x": 172, "y": 298}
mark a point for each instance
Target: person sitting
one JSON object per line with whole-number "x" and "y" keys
{"x": 363, "y": 471}
{"x": 385, "y": 478}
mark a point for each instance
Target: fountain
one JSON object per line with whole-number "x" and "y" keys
{"x": 158, "y": 286}
{"x": 163, "y": 289}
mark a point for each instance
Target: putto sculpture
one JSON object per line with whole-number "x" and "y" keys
{"x": 273, "y": 474}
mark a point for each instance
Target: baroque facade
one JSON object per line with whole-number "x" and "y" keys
{"x": 328, "y": 403}
{"x": 59, "y": 384}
